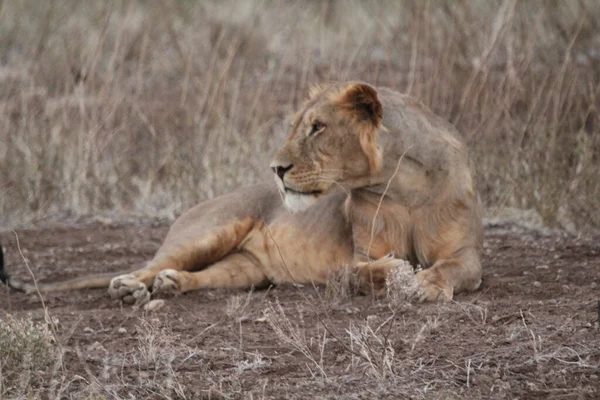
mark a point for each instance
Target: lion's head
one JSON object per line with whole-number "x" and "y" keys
{"x": 332, "y": 144}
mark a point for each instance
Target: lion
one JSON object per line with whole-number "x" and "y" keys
{"x": 368, "y": 178}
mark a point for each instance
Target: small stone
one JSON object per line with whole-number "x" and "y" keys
{"x": 537, "y": 284}
{"x": 122, "y": 330}
{"x": 154, "y": 305}
{"x": 544, "y": 266}
{"x": 144, "y": 374}
{"x": 96, "y": 347}
{"x": 87, "y": 329}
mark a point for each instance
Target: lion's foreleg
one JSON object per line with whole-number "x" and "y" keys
{"x": 447, "y": 277}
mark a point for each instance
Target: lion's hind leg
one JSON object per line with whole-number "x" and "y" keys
{"x": 236, "y": 271}
{"x": 181, "y": 252}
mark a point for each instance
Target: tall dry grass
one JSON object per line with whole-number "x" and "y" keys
{"x": 149, "y": 107}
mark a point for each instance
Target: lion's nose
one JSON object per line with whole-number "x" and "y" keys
{"x": 280, "y": 170}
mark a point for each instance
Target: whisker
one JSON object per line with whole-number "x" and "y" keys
{"x": 335, "y": 182}
{"x": 332, "y": 170}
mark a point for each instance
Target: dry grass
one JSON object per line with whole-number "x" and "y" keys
{"x": 401, "y": 285}
{"x": 341, "y": 286}
{"x": 383, "y": 353}
{"x": 290, "y": 331}
{"x": 149, "y": 107}
{"x": 27, "y": 354}
{"x": 510, "y": 339}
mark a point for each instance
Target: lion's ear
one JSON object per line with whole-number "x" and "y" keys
{"x": 362, "y": 103}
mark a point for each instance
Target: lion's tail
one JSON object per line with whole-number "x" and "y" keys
{"x": 6, "y": 278}
{"x": 3, "y": 275}
{"x": 85, "y": 282}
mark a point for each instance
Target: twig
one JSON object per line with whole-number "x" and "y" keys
{"x": 535, "y": 350}
{"x": 47, "y": 317}
{"x": 468, "y": 372}
{"x": 387, "y": 187}
{"x": 30, "y": 271}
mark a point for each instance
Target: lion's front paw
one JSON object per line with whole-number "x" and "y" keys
{"x": 129, "y": 289}
{"x": 167, "y": 281}
{"x": 431, "y": 288}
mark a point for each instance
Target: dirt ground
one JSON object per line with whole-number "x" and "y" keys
{"x": 531, "y": 331}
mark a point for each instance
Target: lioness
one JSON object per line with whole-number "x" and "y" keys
{"x": 365, "y": 173}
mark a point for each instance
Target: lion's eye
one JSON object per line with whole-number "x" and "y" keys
{"x": 315, "y": 128}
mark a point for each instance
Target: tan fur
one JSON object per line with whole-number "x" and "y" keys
{"x": 357, "y": 192}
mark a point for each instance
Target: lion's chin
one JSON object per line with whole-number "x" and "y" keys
{"x": 295, "y": 202}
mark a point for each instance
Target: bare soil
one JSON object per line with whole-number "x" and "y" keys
{"x": 531, "y": 331}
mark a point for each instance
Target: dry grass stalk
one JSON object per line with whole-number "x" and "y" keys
{"x": 292, "y": 335}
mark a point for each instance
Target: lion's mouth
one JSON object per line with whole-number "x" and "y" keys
{"x": 311, "y": 193}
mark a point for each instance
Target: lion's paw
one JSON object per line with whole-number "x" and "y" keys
{"x": 129, "y": 289}
{"x": 431, "y": 289}
{"x": 167, "y": 281}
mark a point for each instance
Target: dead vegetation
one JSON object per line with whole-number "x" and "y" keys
{"x": 381, "y": 351}
{"x": 149, "y": 107}
{"x": 27, "y": 354}
{"x": 528, "y": 332}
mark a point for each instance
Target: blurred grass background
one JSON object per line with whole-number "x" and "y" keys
{"x": 147, "y": 107}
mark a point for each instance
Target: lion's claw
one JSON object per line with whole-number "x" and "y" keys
{"x": 129, "y": 289}
{"x": 167, "y": 281}
{"x": 430, "y": 291}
